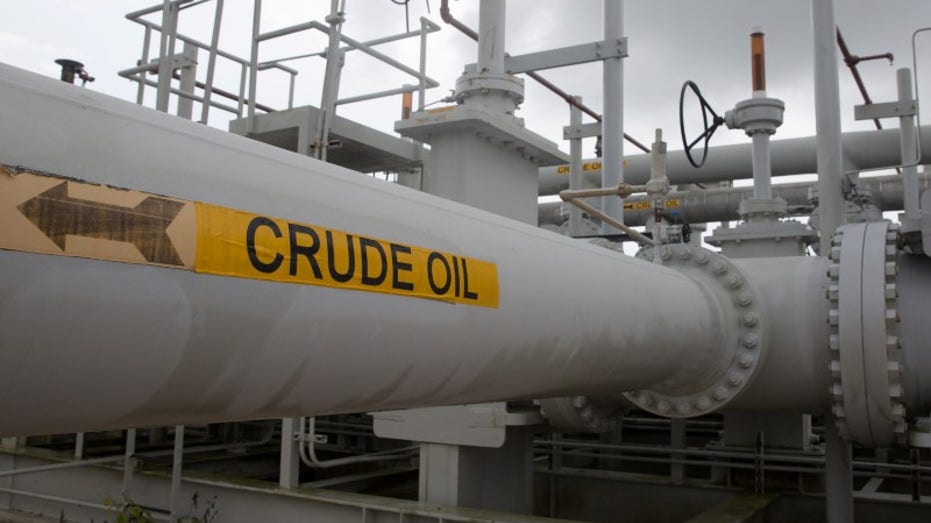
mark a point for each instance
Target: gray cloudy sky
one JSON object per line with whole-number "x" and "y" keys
{"x": 669, "y": 42}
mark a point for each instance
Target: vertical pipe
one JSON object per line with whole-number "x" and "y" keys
{"x": 575, "y": 168}
{"x": 146, "y": 42}
{"x": 838, "y": 474}
{"x": 612, "y": 172}
{"x": 827, "y": 123}
{"x": 330, "y": 82}
{"x": 491, "y": 37}
{"x": 762, "y": 167}
{"x": 254, "y": 62}
{"x": 188, "y": 82}
{"x": 211, "y": 61}
{"x": 242, "y": 89}
{"x": 79, "y": 445}
{"x": 422, "y": 91}
{"x": 908, "y": 147}
{"x": 290, "y": 461}
{"x": 165, "y": 58}
{"x": 129, "y": 462}
{"x": 177, "y": 463}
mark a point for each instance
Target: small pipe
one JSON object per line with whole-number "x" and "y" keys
{"x": 309, "y": 452}
{"x": 908, "y": 147}
{"x": 633, "y": 233}
{"x": 852, "y": 61}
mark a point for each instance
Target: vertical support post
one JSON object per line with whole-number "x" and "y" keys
{"x": 827, "y": 123}
{"x": 908, "y": 148}
{"x": 290, "y": 462}
{"x": 211, "y": 61}
{"x": 146, "y": 42}
{"x": 334, "y": 60}
{"x": 79, "y": 445}
{"x": 129, "y": 462}
{"x": 177, "y": 463}
{"x": 677, "y": 441}
{"x": 188, "y": 82}
{"x": 838, "y": 474}
{"x": 166, "y": 54}
{"x": 612, "y": 168}
{"x": 254, "y": 62}
{"x": 575, "y": 168}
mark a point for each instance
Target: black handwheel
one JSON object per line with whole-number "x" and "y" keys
{"x": 716, "y": 122}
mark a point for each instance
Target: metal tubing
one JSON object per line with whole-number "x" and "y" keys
{"x": 827, "y": 123}
{"x": 491, "y": 36}
{"x": 421, "y": 84}
{"x": 308, "y": 452}
{"x": 864, "y": 149}
{"x": 762, "y": 167}
{"x": 287, "y": 349}
{"x": 716, "y": 205}
{"x": 612, "y": 172}
{"x": 633, "y": 233}
{"x": 909, "y": 147}
{"x": 575, "y": 168}
{"x": 166, "y": 56}
{"x": 212, "y": 61}
{"x": 254, "y": 62}
{"x": 146, "y": 42}
{"x": 59, "y": 466}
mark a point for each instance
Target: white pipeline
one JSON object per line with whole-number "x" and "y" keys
{"x": 87, "y": 344}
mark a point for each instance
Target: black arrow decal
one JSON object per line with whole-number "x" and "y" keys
{"x": 57, "y": 215}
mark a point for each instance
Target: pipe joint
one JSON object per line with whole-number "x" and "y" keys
{"x": 726, "y": 368}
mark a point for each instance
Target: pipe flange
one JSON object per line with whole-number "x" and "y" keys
{"x": 866, "y": 354}
{"x": 721, "y": 377}
{"x": 581, "y": 414}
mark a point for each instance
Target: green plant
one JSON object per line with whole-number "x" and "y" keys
{"x": 127, "y": 511}
{"x": 207, "y": 515}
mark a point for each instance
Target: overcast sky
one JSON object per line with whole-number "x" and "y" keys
{"x": 669, "y": 42}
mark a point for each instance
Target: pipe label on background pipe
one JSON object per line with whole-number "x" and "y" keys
{"x": 49, "y": 214}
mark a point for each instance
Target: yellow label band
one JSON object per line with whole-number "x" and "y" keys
{"x": 50, "y": 214}
{"x": 236, "y": 243}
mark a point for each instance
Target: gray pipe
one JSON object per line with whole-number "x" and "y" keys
{"x": 864, "y": 149}
{"x": 716, "y": 205}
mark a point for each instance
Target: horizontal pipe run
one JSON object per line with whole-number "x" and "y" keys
{"x": 717, "y": 205}
{"x": 149, "y": 345}
{"x": 863, "y": 149}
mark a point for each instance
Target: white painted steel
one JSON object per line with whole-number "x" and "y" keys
{"x": 613, "y": 118}
{"x": 491, "y": 37}
{"x": 762, "y": 167}
{"x": 909, "y": 147}
{"x": 827, "y": 122}
{"x": 88, "y": 345}
{"x": 863, "y": 149}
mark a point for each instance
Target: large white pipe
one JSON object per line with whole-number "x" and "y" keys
{"x": 864, "y": 149}
{"x": 88, "y": 344}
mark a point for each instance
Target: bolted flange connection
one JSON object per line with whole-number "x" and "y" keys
{"x": 727, "y": 372}
{"x": 583, "y": 413}
{"x": 866, "y": 355}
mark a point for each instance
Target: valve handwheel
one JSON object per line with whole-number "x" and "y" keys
{"x": 716, "y": 121}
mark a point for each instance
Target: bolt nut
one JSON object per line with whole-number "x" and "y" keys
{"x": 734, "y": 282}
{"x": 745, "y": 360}
{"x": 683, "y": 407}
{"x": 744, "y": 299}
{"x": 735, "y": 378}
{"x": 662, "y": 407}
{"x": 719, "y": 268}
{"x": 665, "y": 253}
{"x": 685, "y": 253}
{"x": 751, "y": 340}
{"x": 704, "y": 402}
{"x": 750, "y": 319}
{"x": 721, "y": 393}
{"x": 702, "y": 257}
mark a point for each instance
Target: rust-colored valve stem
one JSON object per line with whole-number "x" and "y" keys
{"x": 407, "y": 104}
{"x": 757, "y": 59}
